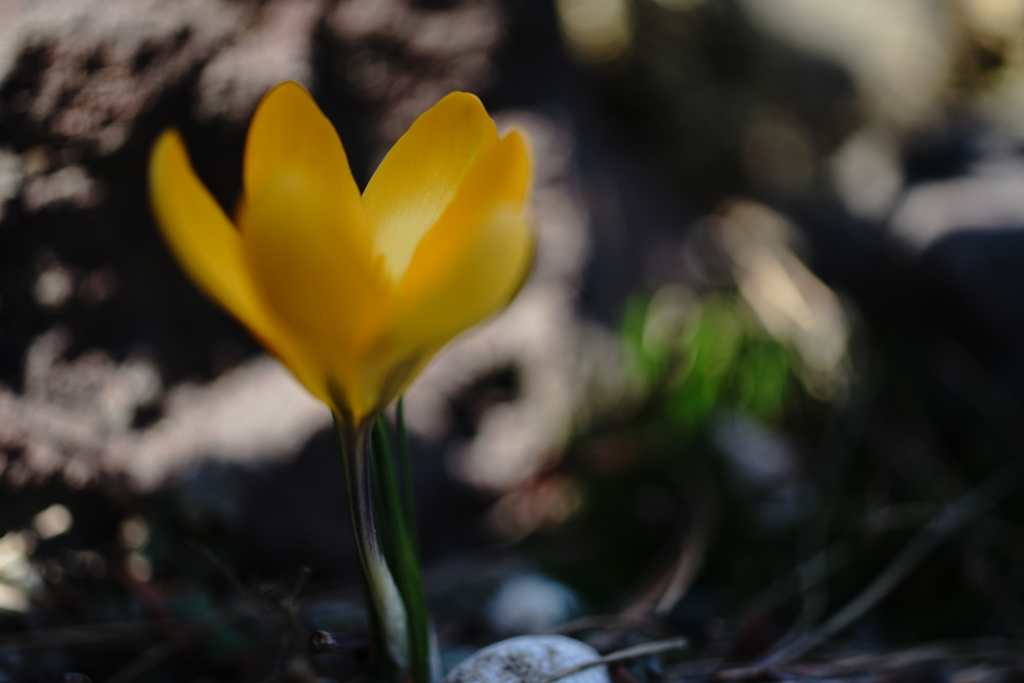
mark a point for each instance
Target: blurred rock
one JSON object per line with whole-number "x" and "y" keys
{"x": 789, "y": 300}
{"x": 277, "y": 47}
{"x": 866, "y": 173}
{"x": 79, "y": 417}
{"x": 70, "y": 186}
{"x": 530, "y": 603}
{"x": 597, "y": 31}
{"x": 559, "y": 368}
{"x": 11, "y": 178}
{"x": 85, "y": 71}
{"x": 528, "y": 659}
{"x": 765, "y": 468}
{"x": 898, "y": 51}
{"x": 18, "y": 578}
{"x": 86, "y": 86}
{"x": 402, "y": 58}
{"x": 989, "y": 197}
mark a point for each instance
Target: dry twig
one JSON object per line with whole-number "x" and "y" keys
{"x": 614, "y": 622}
{"x": 965, "y": 509}
{"x": 645, "y": 650}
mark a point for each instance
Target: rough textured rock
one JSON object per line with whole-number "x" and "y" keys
{"x": 88, "y": 295}
{"x": 278, "y": 47}
{"x": 554, "y": 363}
{"x": 530, "y": 603}
{"x": 402, "y": 58}
{"x": 528, "y": 659}
{"x": 85, "y": 71}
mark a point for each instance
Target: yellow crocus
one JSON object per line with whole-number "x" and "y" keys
{"x": 353, "y": 292}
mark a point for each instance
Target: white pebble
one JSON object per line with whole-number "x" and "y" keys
{"x": 529, "y": 659}
{"x": 530, "y": 603}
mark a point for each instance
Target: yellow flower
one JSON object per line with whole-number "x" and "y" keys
{"x": 355, "y": 293}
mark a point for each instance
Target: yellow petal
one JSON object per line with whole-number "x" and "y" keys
{"x": 307, "y": 241}
{"x": 311, "y": 261}
{"x": 422, "y": 173}
{"x": 209, "y": 248}
{"x": 474, "y": 260}
{"x": 289, "y": 131}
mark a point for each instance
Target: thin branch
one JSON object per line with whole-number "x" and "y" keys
{"x": 835, "y": 667}
{"x": 289, "y": 605}
{"x": 328, "y": 641}
{"x": 666, "y": 587}
{"x": 225, "y": 571}
{"x": 965, "y": 509}
{"x": 155, "y": 655}
{"x": 700, "y": 668}
{"x": 92, "y": 634}
{"x": 691, "y": 558}
{"x": 645, "y": 650}
{"x": 844, "y": 430}
{"x": 806, "y": 575}
{"x": 614, "y": 622}
{"x": 989, "y": 650}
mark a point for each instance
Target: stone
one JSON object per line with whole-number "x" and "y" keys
{"x": 530, "y": 603}
{"x": 529, "y": 659}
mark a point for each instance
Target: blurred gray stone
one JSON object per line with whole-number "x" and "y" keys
{"x": 530, "y": 603}
{"x": 990, "y": 198}
{"x": 86, "y": 70}
{"x": 277, "y": 47}
{"x": 529, "y": 659}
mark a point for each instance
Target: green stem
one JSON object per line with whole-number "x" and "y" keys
{"x": 405, "y": 465}
{"x": 407, "y": 571}
{"x": 389, "y": 615}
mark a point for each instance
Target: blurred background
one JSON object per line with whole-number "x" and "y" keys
{"x": 773, "y": 338}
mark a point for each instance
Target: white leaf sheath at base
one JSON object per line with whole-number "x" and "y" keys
{"x": 529, "y": 659}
